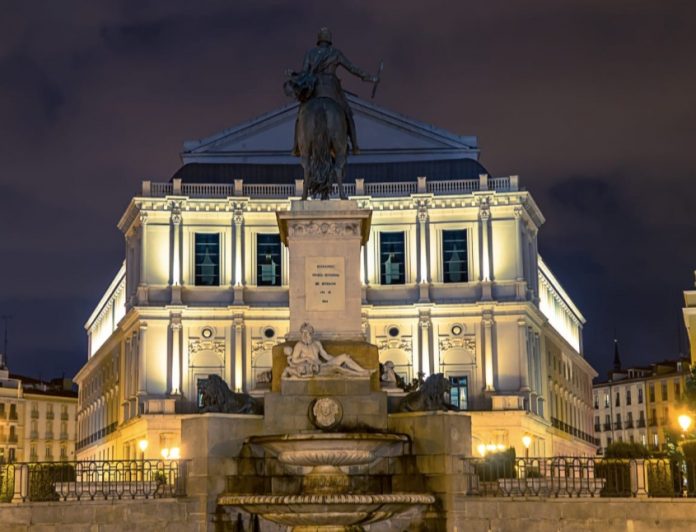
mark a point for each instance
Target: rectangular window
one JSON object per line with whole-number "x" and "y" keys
{"x": 628, "y": 397}
{"x": 454, "y": 256}
{"x": 606, "y": 400}
{"x": 391, "y": 258}
{"x": 677, "y": 390}
{"x": 640, "y": 396}
{"x": 268, "y": 260}
{"x": 665, "y": 395}
{"x": 651, "y": 391}
{"x": 459, "y": 393}
{"x": 207, "y": 259}
{"x": 618, "y": 399}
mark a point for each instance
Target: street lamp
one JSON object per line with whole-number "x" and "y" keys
{"x": 165, "y": 453}
{"x": 143, "y": 446}
{"x": 684, "y": 422}
{"x": 526, "y": 441}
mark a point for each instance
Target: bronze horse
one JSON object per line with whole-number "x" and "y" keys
{"x": 322, "y": 138}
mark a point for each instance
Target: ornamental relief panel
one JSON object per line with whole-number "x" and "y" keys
{"x": 332, "y": 229}
{"x": 466, "y": 342}
{"x": 401, "y": 343}
{"x": 216, "y": 346}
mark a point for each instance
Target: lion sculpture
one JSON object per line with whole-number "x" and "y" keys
{"x": 433, "y": 395}
{"x": 217, "y": 397}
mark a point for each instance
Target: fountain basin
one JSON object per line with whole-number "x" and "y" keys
{"x": 328, "y": 448}
{"x": 327, "y": 510}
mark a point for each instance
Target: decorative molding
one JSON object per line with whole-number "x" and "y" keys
{"x": 217, "y": 346}
{"x": 401, "y": 343}
{"x": 467, "y": 342}
{"x": 324, "y": 228}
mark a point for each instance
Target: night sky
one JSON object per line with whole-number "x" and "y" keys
{"x": 592, "y": 103}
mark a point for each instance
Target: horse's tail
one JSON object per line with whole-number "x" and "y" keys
{"x": 320, "y": 162}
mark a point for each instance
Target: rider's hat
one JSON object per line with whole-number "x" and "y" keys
{"x": 324, "y": 35}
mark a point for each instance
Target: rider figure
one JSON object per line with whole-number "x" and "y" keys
{"x": 321, "y": 62}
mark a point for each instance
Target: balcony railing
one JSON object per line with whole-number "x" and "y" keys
{"x": 49, "y": 434}
{"x": 34, "y": 414}
{"x": 617, "y": 425}
{"x": 13, "y": 415}
{"x": 607, "y": 426}
{"x": 598, "y": 428}
{"x": 93, "y": 480}
{"x": 50, "y": 415}
{"x": 34, "y": 435}
{"x": 12, "y": 438}
{"x": 64, "y": 436}
{"x": 565, "y": 427}
{"x": 64, "y": 416}
{"x": 359, "y": 188}
{"x": 652, "y": 422}
{"x": 641, "y": 423}
{"x": 629, "y": 424}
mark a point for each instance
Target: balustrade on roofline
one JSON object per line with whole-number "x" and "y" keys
{"x": 359, "y": 188}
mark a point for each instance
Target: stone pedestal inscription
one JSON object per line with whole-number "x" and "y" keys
{"x": 325, "y": 279}
{"x": 324, "y": 239}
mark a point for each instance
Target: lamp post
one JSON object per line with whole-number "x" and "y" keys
{"x": 142, "y": 444}
{"x": 685, "y": 422}
{"x": 526, "y": 441}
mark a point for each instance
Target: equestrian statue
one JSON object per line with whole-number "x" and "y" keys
{"x": 324, "y": 121}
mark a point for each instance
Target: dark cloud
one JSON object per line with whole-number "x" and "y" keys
{"x": 590, "y": 102}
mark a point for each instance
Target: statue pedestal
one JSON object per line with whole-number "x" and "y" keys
{"x": 323, "y": 240}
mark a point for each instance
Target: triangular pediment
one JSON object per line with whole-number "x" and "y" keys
{"x": 383, "y": 136}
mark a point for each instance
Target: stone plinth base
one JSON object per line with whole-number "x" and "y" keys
{"x": 213, "y": 443}
{"x": 290, "y": 413}
{"x": 440, "y": 441}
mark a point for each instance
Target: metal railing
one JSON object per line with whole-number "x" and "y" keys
{"x": 34, "y": 414}
{"x": 501, "y": 476}
{"x": 50, "y": 415}
{"x": 90, "y": 480}
{"x": 574, "y": 431}
{"x": 641, "y": 423}
{"x": 64, "y": 416}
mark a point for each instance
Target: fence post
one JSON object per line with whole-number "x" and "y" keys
{"x": 639, "y": 478}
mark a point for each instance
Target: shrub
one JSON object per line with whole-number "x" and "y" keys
{"x": 626, "y": 450}
{"x": 497, "y": 465}
{"x": 6, "y": 484}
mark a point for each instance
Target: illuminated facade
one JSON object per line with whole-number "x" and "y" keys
{"x": 689, "y": 312}
{"x": 640, "y": 404}
{"x": 452, "y": 282}
{"x": 37, "y": 419}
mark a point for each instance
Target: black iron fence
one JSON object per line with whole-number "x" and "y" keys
{"x": 498, "y": 476}
{"x": 90, "y": 480}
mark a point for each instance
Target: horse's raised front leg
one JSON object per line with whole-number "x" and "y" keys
{"x": 304, "y": 161}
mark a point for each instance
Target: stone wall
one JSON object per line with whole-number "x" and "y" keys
{"x": 153, "y": 515}
{"x": 561, "y": 515}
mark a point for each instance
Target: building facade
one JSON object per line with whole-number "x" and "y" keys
{"x": 452, "y": 282}
{"x": 640, "y": 404}
{"x": 37, "y": 419}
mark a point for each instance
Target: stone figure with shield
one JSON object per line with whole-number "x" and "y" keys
{"x": 325, "y": 122}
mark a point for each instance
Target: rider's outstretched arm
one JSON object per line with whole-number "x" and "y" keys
{"x": 356, "y": 71}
